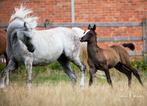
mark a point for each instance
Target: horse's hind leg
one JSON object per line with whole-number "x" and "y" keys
{"x": 5, "y": 73}
{"x": 135, "y": 72}
{"x": 64, "y": 61}
{"x": 125, "y": 71}
{"x": 82, "y": 68}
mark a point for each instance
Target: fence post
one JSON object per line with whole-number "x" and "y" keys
{"x": 145, "y": 39}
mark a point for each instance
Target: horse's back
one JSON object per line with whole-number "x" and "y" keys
{"x": 47, "y": 47}
{"x": 111, "y": 56}
{"x": 124, "y": 56}
{"x": 50, "y": 44}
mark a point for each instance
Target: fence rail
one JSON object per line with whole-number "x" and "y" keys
{"x": 81, "y": 24}
{"x": 48, "y": 24}
{"x": 119, "y": 38}
{"x": 142, "y": 24}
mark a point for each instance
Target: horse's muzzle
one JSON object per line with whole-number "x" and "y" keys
{"x": 82, "y": 40}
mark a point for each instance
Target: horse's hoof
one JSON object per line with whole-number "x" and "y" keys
{"x": 29, "y": 86}
{"x": 2, "y": 86}
{"x": 81, "y": 86}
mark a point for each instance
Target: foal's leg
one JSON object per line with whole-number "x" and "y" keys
{"x": 63, "y": 60}
{"x": 125, "y": 71}
{"x": 108, "y": 77}
{"x": 5, "y": 73}
{"x": 135, "y": 72}
{"x": 28, "y": 64}
{"x": 82, "y": 68}
{"x": 91, "y": 73}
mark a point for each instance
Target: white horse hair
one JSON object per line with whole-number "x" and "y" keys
{"x": 29, "y": 46}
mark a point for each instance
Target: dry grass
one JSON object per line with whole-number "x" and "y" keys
{"x": 63, "y": 94}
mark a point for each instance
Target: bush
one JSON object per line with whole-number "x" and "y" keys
{"x": 141, "y": 65}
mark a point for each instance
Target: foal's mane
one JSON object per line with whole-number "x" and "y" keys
{"x": 23, "y": 13}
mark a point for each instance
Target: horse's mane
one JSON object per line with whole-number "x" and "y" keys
{"x": 78, "y": 31}
{"x": 24, "y": 14}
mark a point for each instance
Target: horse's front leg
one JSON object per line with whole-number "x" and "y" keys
{"x": 28, "y": 64}
{"x": 5, "y": 73}
{"x": 82, "y": 68}
{"x": 7, "y": 78}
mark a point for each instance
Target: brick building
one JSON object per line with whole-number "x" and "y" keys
{"x": 86, "y": 11}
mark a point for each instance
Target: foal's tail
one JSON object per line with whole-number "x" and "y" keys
{"x": 131, "y": 46}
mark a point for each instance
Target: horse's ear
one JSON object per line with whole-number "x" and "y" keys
{"x": 89, "y": 26}
{"x": 94, "y": 27}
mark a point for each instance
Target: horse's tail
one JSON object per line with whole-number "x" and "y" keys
{"x": 26, "y": 40}
{"x": 131, "y": 46}
{"x": 24, "y": 14}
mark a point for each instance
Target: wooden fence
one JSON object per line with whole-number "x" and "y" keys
{"x": 142, "y": 24}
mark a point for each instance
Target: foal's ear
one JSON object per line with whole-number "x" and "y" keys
{"x": 89, "y": 26}
{"x": 94, "y": 27}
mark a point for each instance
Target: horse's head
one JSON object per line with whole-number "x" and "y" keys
{"x": 89, "y": 34}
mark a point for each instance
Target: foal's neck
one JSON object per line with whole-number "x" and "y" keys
{"x": 92, "y": 47}
{"x": 93, "y": 43}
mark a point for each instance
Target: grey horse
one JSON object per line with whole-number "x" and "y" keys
{"x": 29, "y": 46}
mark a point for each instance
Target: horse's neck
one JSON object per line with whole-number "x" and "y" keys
{"x": 93, "y": 43}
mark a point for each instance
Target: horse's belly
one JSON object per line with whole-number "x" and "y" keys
{"x": 47, "y": 51}
{"x": 40, "y": 59}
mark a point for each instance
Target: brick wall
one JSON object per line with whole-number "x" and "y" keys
{"x": 86, "y": 11}
{"x": 110, "y": 10}
{"x": 54, "y": 10}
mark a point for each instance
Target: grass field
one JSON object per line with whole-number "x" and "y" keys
{"x": 52, "y": 87}
{"x": 64, "y": 94}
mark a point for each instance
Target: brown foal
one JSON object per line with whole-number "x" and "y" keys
{"x": 103, "y": 59}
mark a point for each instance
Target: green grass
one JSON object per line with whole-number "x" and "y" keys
{"x": 2, "y": 66}
{"x": 50, "y": 73}
{"x": 141, "y": 65}
{"x": 54, "y": 73}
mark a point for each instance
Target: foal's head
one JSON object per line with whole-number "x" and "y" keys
{"x": 89, "y": 35}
